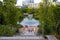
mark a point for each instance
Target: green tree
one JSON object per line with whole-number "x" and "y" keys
{"x": 10, "y": 12}
{"x": 46, "y": 17}
{"x": 57, "y": 17}
{"x": 11, "y": 2}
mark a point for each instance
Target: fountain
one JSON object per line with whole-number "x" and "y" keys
{"x": 29, "y": 21}
{"x": 30, "y": 25}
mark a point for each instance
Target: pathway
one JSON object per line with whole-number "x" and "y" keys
{"x": 51, "y": 37}
{"x": 24, "y": 36}
{"x": 28, "y": 36}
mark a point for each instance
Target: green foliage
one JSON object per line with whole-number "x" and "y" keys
{"x": 39, "y": 31}
{"x": 48, "y": 17}
{"x": 9, "y": 13}
{"x": 58, "y": 37}
{"x": 7, "y": 30}
{"x": 24, "y": 10}
{"x": 27, "y": 10}
{"x": 11, "y": 2}
{"x": 57, "y": 18}
{"x": 30, "y": 11}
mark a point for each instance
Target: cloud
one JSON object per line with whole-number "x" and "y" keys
{"x": 37, "y": 1}
{"x": 19, "y": 2}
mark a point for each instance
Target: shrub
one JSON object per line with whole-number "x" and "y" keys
{"x": 18, "y": 26}
{"x": 39, "y": 31}
{"x": 58, "y": 36}
{"x": 46, "y": 29}
{"x": 7, "y": 30}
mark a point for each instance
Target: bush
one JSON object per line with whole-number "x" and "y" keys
{"x": 46, "y": 29}
{"x": 39, "y": 31}
{"x": 7, "y": 30}
{"x": 58, "y": 36}
{"x": 18, "y": 26}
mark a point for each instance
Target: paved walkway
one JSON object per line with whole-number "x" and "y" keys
{"x": 29, "y": 33}
{"x": 28, "y": 36}
{"x": 22, "y": 38}
{"x": 51, "y": 37}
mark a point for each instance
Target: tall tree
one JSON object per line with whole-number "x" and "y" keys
{"x": 10, "y": 1}
{"x": 10, "y": 12}
{"x": 46, "y": 17}
{"x": 57, "y": 17}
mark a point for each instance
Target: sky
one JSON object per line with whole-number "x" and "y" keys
{"x": 19, "y": 2}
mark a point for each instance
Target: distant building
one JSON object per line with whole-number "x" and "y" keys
{"x": 30, "y": 4}
{"x": 26, "y": 3}
{"x": 18, "y": 6}
{"x": 33, "y": 5}
{"x": 31, "y": 1}
{"x": 58, "y": 3}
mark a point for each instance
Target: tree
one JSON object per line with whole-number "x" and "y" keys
{"x": 12, "y": 2}
{"x": 46, "y": 17}
{"x": 9, "y": 12}
{"x": 1, "y": 15}
{"x": 57, "y": 17}
{"x": 30, "y": 10}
